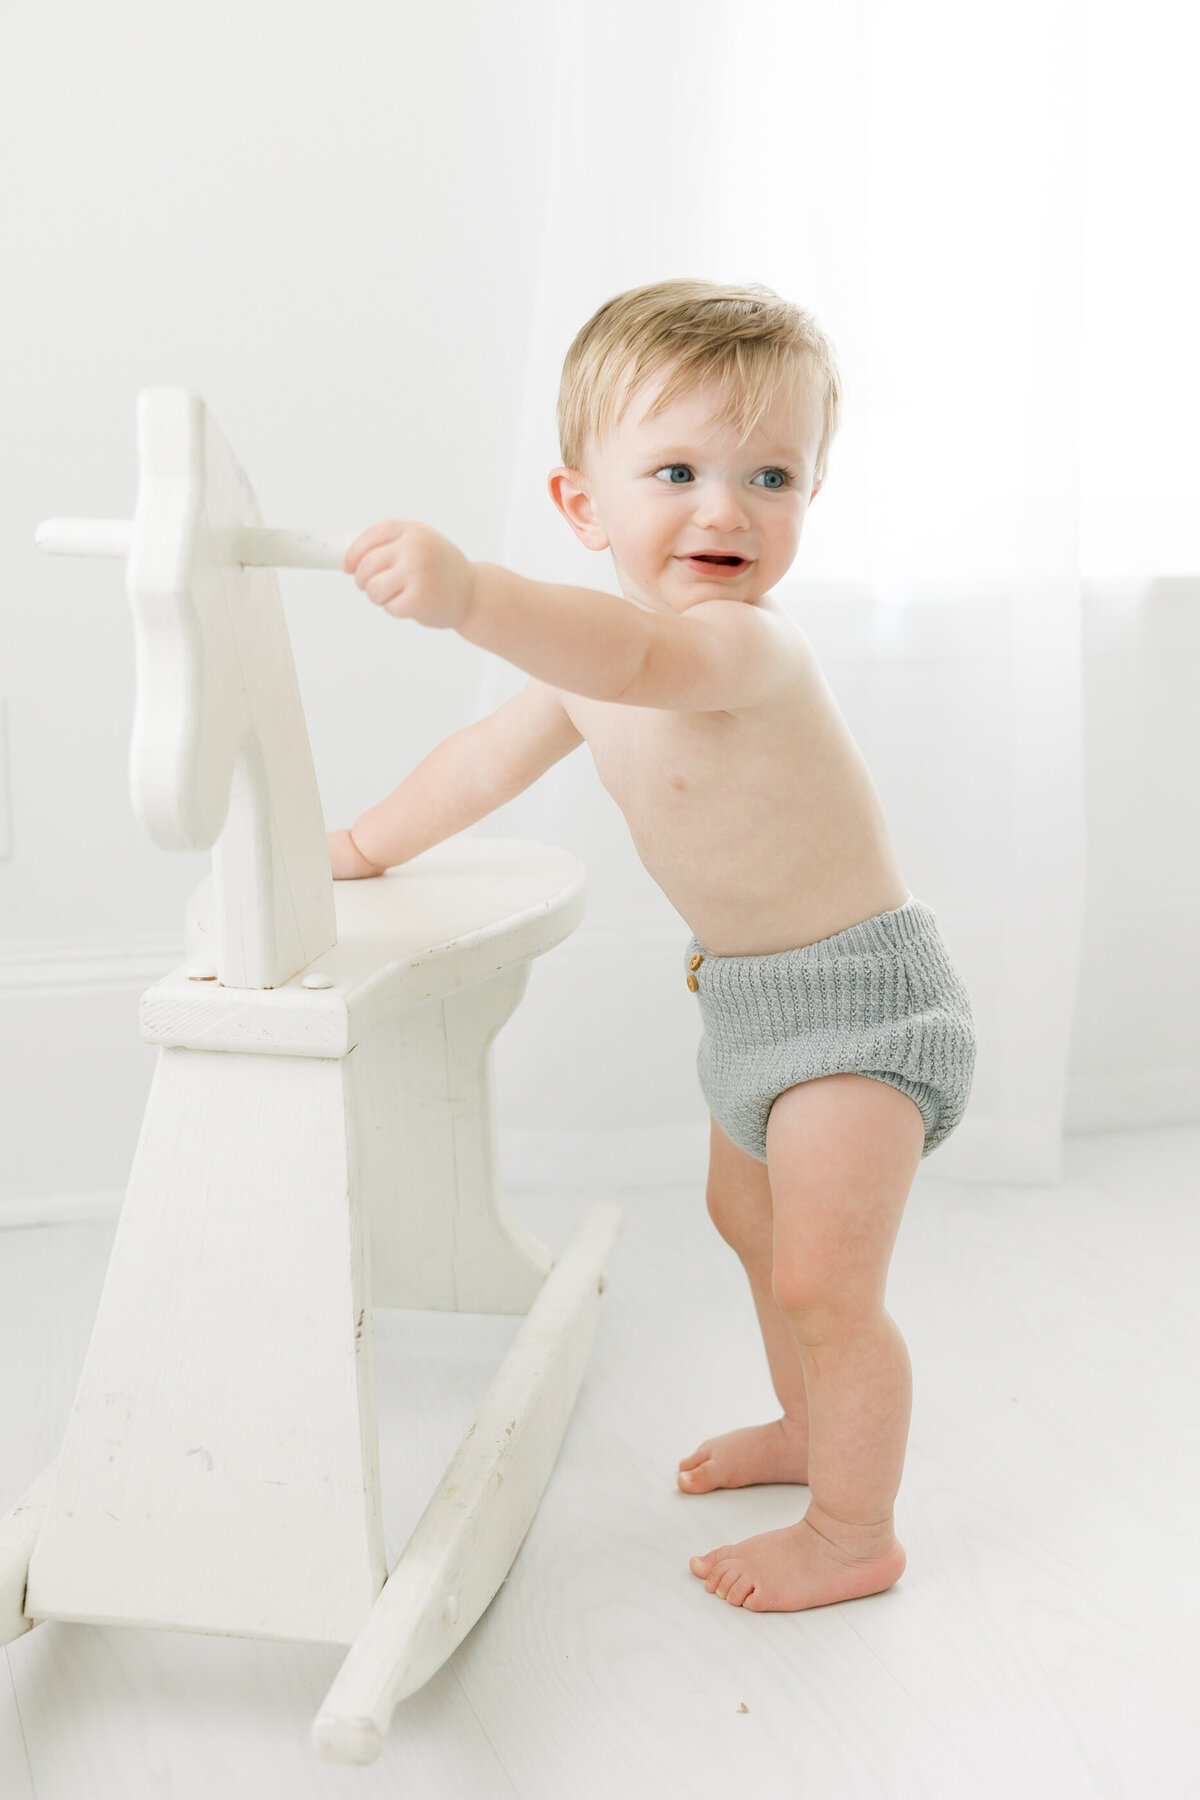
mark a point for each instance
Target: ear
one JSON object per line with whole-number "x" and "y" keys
{"x": 568, "y": 490}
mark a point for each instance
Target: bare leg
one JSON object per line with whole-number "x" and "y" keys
{"x": 739, "y": 1203}
{"x": 842, "y": 1152}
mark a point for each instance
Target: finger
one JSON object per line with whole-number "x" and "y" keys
{"x": 374, "y": 563}
{"x": 383, "y": 531}
{"x": 382, "y": 591}
{"x": 366, "y": 540}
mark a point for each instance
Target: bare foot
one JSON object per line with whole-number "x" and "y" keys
{"x": 788, "y": 1570}
{"x": 756, "y": 1453}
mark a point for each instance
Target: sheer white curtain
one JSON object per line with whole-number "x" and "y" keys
{"x": 918, "y": 177}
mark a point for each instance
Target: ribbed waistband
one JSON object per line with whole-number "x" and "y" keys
{"x": 906, "y": 925}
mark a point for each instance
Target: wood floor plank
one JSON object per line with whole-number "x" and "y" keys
{"x": 1041, "y": 1641}
{"x": 16, "y": 1777}
{"x": 114, "y": 1714}
{"x": 662, "y": 1663}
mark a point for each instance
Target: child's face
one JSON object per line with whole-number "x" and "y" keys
{"x": 657, "y": 491}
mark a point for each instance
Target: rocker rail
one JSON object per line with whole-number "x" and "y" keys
{"x": 464, "y": 1544}
{"x": 468, "y": 1535}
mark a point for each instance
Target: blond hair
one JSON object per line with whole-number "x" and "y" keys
{"x": 745, "y": 337}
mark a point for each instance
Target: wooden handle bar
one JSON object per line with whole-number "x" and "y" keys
{"x": 254, "y": 545}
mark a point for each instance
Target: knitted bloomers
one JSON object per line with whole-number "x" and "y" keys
{"x": 881, "y": 998}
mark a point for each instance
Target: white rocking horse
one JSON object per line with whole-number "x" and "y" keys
{"x": 319, "y": 1138}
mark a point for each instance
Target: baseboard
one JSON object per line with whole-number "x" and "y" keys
{"x": 58, "y": 966}
{"x": 59, "y": 1209}
{"x": 1133, "y": 1099}
{"x": 542, "y": 1162}
{"x": 533, "y": 1162}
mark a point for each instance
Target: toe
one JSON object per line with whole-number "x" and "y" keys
{"x": 740, "y": 1590}
{"x": 730, "y": 1575}
{"x": 696, "y": 1479}
{"x": 702, "y": 1565}
{"x": 697, "y": 1456}
{"x": 721, "y": 1571}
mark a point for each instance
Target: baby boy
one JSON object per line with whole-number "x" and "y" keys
{"x": 837, "y": 1049}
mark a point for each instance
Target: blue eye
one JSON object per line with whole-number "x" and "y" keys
{"x": 783, "y": 476}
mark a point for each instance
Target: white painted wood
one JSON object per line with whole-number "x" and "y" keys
{"x": 465, "y": 1542}
{"x": 258, "y": 546}
{"x": 220, "y": 753}
{"x": 255, "y": 546}
{"x": 18, "y": 1534}
{"x": 85, "y": 537}
{"x": 220, "y": 1469}
{"x": 442, "y": 1237}
{"x": 460, "y": 913}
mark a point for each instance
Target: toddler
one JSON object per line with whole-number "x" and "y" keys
{"x": 695, "y": 423}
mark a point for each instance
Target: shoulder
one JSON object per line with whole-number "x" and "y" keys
{"x": 776, "y": 658}
{"x": 760, "y": 625}
{"x": 718, "y": 656}
{"x": 765, "y": 608}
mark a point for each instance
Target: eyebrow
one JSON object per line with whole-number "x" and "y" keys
{"x": 673, "y": 452}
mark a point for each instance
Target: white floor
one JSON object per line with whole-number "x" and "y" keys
{"x": 1041, "y": 1643}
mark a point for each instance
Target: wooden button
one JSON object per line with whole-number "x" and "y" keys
{"x": 696, "y": 961}
{"x": 692, "y": 983}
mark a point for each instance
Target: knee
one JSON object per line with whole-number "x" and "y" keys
{"x": 818, "y": 1302}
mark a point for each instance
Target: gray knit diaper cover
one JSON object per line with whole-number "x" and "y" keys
{"x": 881, "y": 998}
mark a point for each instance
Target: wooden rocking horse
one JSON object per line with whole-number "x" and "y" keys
{"x": 319, "y": 1138}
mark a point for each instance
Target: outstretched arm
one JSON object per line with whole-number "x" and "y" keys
{"x": 718, "y": 655}
{"x": 465, "y": 777}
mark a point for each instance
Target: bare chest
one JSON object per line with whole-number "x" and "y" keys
{"x": 671, "y": 771}
{"x": 763, "y": 829}
{"x": 721, "y": 773}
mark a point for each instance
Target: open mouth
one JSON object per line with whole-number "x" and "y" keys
{"x": 713, "y": 563}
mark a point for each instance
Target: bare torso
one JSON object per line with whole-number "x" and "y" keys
{"x": 763, "y": 828}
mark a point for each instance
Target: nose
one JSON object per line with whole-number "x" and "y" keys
{"x": 720, "y": 506}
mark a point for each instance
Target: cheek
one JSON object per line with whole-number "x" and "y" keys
{"x": 649, "y": 533}
{"x": 785, "y": 527}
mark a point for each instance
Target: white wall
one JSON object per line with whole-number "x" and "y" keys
{"x": 331, "y": 228}
{"x": 1135, "y": 1052}
{"x": 259, "y": 204}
